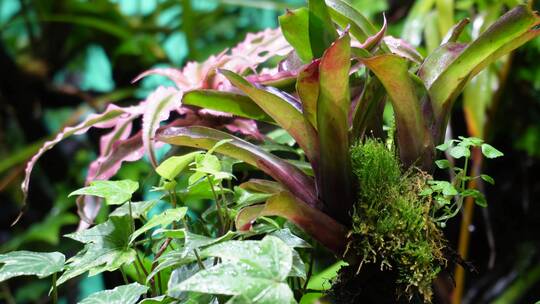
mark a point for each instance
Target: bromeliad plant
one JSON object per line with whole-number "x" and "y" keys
{"x": 328, "y": 92}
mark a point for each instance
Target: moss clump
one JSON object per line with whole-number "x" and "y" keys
{"x": 391, "y": 221}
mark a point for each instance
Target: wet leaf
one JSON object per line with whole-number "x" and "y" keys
{"x": 24, "y": 263}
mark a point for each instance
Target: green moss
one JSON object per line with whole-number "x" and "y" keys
{"x": 391, "y": 221}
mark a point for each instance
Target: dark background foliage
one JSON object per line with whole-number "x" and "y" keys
{"x": 63, "y": 59}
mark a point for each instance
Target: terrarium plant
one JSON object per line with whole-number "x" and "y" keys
{"x": 327, "y": 162}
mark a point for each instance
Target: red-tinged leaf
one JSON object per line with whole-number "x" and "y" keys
{"x": 403, "y": 48}
{"x": 322, "y": 32}
{"x": 121, "y": 131}
{"x": 307, "y": 87}
{"x": 262, "y": 185}
{"x": 288, "y": 175}
{"x": 245, "y": 127}
{"x": 412, "y": 135}
{"x": 454, "y": 33}
{"x": 320, "y": 226}
{"x": 366, "y": 113}
{"x": 334, "y": 178}
{"x": 279, "y": 79}
{"x": 159, "y": 106}
{"x": 228, "y": 102}
{"x": 512, "y": 30}
{"x": 295, "y": 28}
{"x": 283, "y": 109}
{"x": 346, "y": 15}
{"x": 373, "y": 41}
{"x": 437, "y": 61}
{"x": 107, "y": 119}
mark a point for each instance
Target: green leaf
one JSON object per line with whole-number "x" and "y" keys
{"x": 172, "y": 166}
{"x": 323, "y": 280}
{"x": 446, "y": 145}
{"x": 509, "y": 32}
{"x": 283, "y": 110}
{"x": 346, "y": 15}
{"x": 487, "y": 178}
{"x": 157, "y": 300}
{"x": 459, "y": 152}
{"x": 236, "y": 104}
{"x": 23, "y": 263}
{"x": 490, "y": 152}
{"x": 295, "y": 27}
{"x": 288, "y": 175}
{"x": 442, "y": 163}
{"x": 138, "y": 209}
{"x": 124, "y": 294}
{"x": 290, "y": 239}
{"x": 106, "y": 249}
{"x": 259, "y": 269}
{"x": 322, "y": 32}
{"x": 114, "y": 192}
{"x": 164, "y": 219}
{"x": 413, "y": 138}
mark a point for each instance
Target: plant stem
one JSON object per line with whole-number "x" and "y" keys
{"x": 218, "y": 206}
{"x": 124, "y": 277}
{"x": 55, "y": 289}
{"x": 310, "y": 272}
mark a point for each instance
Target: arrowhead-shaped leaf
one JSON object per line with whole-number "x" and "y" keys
{"x": 24, "y": 263}
{"x": 114, "y": 192}
{"x": 124, "y": 294}
{"x": 163, "y": 219}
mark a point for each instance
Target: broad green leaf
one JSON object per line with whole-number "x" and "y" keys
{"x": 459, "y": 152}
{"x": 307, "y": 87}
{"x": 413, "y": 138}
{"x": 259, "y": 269}
{"x": 442, "y": 163}
{"x": 322, "y": 32}
{"x": 124, "y": 294}
{"x": 298, "y": 268}
{"x": 183, "y": 273}
{"x": 137, "y": 209}
{"x": 157, "y": 300}
{"x": 24, "y": 263}
{"x": 114, "y": 192}
{"x": 228, "y": 102}
{"x": 346, "y": 15}
{"x": 288, "y": 175}
{"x": 490, "y": 152}
{"x": 283, "y": 110}
{"x": 334, "y": 178}
{"x": 487, "y": 178}
{"x": 317, "y": 224}
{"x": 272, "y": 255}
{"x": 295, "y": 27}
{"x": 290, "y": 239}
{"x": 159, "y": 106}
{"x": 511, "y": 31}
{"x": 244, "y": 197}
{"x": 323, "y": 280}
{"x": 172, "y": 233}
{"x": 163, "y": 219}
{"x": 106, "y": 249}
{"x": 172, "y": 166}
